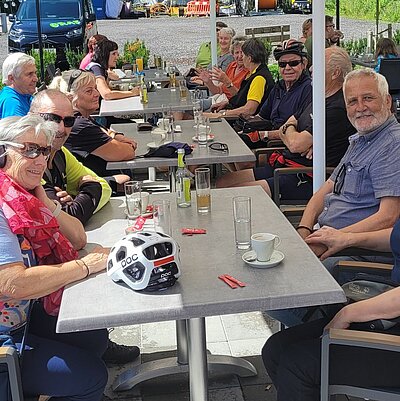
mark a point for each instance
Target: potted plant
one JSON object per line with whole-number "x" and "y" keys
{"x": 132, "y": 51}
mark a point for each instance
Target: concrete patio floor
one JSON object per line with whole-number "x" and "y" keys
{"x": 236, "y": 335}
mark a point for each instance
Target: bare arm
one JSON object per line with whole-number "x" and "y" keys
{"x": 314, "y": 208}
{"x": 295, "y": 141}
{"x": 385, "y": 217}
{"x": 115, "y": 151}
{"x": 19, "y": 282}
{"x": 384, "y": 306}
{"x": 71, "y": 227}
{"x": 108, "y": 94}
{"x": 249, "y": 108}
{"x": 336, "y": 240}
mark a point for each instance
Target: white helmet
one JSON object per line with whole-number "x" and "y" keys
{"x": 145, "y": 260}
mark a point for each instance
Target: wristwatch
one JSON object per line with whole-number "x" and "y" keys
{"x": 229, "y": 85}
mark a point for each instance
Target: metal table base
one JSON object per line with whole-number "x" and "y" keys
{"x": 191, "y": 357}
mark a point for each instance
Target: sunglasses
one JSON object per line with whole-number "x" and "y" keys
{"x": 29, "y": 150}
{"x": 68, "y": 120}
{"x": 339, "y": 181}
{"x": 219, "y": 146}
{"x": 74, "y": 76}
{"x": 292, "y": 63}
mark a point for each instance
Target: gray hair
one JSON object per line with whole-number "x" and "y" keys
{"x": 381, "y": 83}
{"x": 228, "y": 31}
{"x": 12, "y": 128}
{"x": 237, "y": 41}
{"x": 338, "y": 58}
{"x": 13, "y": 65}
{"x": 43, "y": 97}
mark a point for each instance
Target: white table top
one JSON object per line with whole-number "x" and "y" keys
{"x": 300, "y": 280}
{"x": 238, "y": 151}
{"x": 132, "y": 105}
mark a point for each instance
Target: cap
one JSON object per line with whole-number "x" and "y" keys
{"x": 290, "y": 46}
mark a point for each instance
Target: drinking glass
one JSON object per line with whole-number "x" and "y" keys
{"x": 183, "y": 90}
{"x": 162, "y": 216}
{"x": 203, "y": 189}
{"x": 133, "y": 198}
{"x": 201, "y": 131}
{"x": 242, "y": 221}
{"x": 139, "y": 63}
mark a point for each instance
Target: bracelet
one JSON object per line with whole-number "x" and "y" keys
{"x": 57, "y": 210}
{"x": 305, "y": 227}
{"x": 286, "y": 126}
{"x": 84, "y": 264}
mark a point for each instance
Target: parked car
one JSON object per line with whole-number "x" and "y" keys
{"x": 64, "y": 23}
{"x": 290, "y": 6}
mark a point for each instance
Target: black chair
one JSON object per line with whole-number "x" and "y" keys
{"x": 390, "y": 68}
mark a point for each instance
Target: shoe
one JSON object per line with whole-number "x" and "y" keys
{"x": 120, "y": 354}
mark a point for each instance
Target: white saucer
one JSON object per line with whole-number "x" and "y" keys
{"x": 210, "y": 138}
{"x": 276, "y": 258}
{"x": 152, "y": 145}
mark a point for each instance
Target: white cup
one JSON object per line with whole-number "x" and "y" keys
{"x": 158, "y": 135}
{"x": 264, "y": 244}
{"x": 145, "y": 200}
{"x": 163, "y": 123}
{"x": 128, "y": 73}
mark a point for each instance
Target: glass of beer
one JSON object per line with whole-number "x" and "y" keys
{"x": 139, "y": 63}
{"x": 183, "y": 89}
{"x": 203, "y": 189}
{"x": 172, "y": 80}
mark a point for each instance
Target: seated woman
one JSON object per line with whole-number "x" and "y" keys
{"x": 38, "y": 258}
{"x": 105, "y": 56}
{"x": 289, "y": 96}
{"x": 254, "y": 89}
{"x": 228, "y": 82}
{"x": 93, "y": 144}
{"x": 293, "y": 356}
{"x": 385, "y": 48}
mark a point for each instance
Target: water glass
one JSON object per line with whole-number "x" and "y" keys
{"x": 162, "y": 216}
{"x": 183, "y": 90}
{"x": 201, "y": 131}
{"x": 242, "y": 221}
{"x": 133, "y": 198}
{"x": 203, "y": 189}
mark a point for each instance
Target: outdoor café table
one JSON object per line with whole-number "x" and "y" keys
{"x": 238, "y": 151}
{"x": 151, "y": 75}
{"x": 300, "y": 280}
{"x": 133, "y": 105}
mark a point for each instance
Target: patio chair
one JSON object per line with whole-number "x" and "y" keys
{"x": 10, "y": 377}
{"x": 360, "y": 339}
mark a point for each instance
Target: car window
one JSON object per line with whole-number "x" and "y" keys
{"x": 50, "y": 9}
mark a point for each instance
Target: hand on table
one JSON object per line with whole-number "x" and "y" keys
{"x": 124, "y": 139}
{"x": 219, "y": 106}
{"x": 97, "y": 259}
{"x": 333, "y": 240}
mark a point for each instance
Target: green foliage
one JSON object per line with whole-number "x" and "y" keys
{"x": 274, "y": 69}
{"x": 132, "y": 51}
{"x": 355, "y": 47}
{"x": 74, "y": 57}
{"x": 389, "y": 10}
{"x": 49, "y": 57}
{"x": 396, "y": 36}
{"x": 267, "y": 45}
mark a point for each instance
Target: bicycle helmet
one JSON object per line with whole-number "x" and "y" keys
{"x": 290, "y": 46}
{"x": 145, "y": 260}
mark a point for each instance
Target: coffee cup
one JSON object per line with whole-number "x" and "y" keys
{"x": 158, "y": 135}
{"x": 264, "y": 244}
{"x": 163, "y": 123}
{"x": 128, "y": 73}
{"x": 145, "y": 196}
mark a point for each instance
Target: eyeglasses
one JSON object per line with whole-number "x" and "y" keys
{"x": 339, "y": 181}
{"x": 29, "y": 150}
{"x": 74, "y": 76}
{"x": 219, "y": 146}
{"x": 292, "y": 63}
{"x": 68, "y": 120}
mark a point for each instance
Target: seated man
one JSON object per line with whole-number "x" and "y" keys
{"x": 19, "y": 77}
{"x": 362, "y": 194}
{"x": 80, "y": 192}
{"x": 296, "y": 134}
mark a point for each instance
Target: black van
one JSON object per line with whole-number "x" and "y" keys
{"x": 63, "y": 23}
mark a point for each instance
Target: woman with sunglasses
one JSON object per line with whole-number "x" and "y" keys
{"x": 38, "y": 257}
{"x": 90, "y": 142}
{"x": 104, "y": 57}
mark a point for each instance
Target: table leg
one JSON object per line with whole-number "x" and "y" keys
{"x": 181, "y": 341}
{"x": 198, "y": 373}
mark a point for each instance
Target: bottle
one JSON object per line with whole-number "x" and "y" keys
{"x": 143, "y": 91}
{"x": 183, "y": 175}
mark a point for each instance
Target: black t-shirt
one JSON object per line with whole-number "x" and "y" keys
{"x": 337, "y": 130}
{"x": 86, "y": 136}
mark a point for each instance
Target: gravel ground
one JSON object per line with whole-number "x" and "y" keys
{"x": 177, "y": 39}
